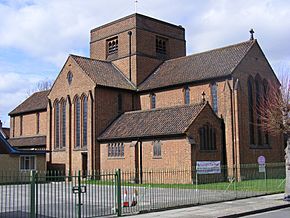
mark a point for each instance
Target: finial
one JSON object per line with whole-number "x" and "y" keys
{"x": 136, "y": 2}
{"x": 252, "y": 34}
{"x": 203, "y": 97}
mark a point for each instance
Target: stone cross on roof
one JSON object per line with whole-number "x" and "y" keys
{"x": 252, "y": 34}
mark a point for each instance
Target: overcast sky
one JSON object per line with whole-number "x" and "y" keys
{"x": 36, "y": 36}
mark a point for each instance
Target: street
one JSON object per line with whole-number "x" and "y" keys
{"x": 283, "y": 213}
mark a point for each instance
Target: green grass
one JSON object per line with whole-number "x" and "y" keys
{"x": 260, "y": 185}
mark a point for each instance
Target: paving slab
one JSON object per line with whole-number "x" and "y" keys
{"x": 235, "y": 208}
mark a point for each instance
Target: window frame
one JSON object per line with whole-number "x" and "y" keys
{"x": 157, "y": 150}
{"x": 29, "y": 167}
{"x": 152, "y": 100}
{"x": 57, "y": 125}
{"x": 186, "y": 94}
{"x": 161, "y": 45}
{"x": 251, "y": 111}
{"x": 258, "y": 101}
{"x": 77, "y": 118}
{"x": 63, "y": 124}
{"x": 84, "y": 118}
{"x": 116, "y": 150}
{"x": 214, "y": 96}
{"x": 112, "y": 49}
{"x": 207, "y": 138}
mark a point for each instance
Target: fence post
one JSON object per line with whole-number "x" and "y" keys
{"x": 119, "y": 198}
{"x": 79, "y": 195}
{"x": 265, "y": 174}
{"x": 32, "y": 194}
{"x": 235, "y": 181}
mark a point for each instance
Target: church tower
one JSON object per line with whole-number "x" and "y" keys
{"x": 137, "y": 44}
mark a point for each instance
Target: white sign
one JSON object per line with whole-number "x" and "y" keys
{"x": 262, "y": 168}
{"x": 261, "y": 160}
{"x": 208, "y": 167}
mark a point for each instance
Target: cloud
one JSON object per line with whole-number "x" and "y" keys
{"x": 43, "y": 32}
{"x": 14, "y": 89}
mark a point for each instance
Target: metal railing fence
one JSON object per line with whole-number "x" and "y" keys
{"x": 102, "y": 193}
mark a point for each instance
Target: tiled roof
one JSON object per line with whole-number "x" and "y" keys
{"x": 155, "y": 122}
{"x": 6, "y": 148}
{"x": 36, "y": 102}
{"x": 103, "y": 73}
{"x": 207, "y": 65}
{"x": 6, "y": 131}
{"x": 36, "y": 141}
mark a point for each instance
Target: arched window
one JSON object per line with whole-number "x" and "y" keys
{"x": 85, "y": 120}
{"x": 153, "y": 101}
{"x": 56, "y": 125}
{"x": 187, "y": 95}
{"x": 251, "y": 112}
{"x": 265, "y": 92}
{"x": 77, "y": 122}
{"x": 214, "y": 97}
{"x": 63, "y": 123}
{"x": 157, "y": 148}
{"x": 258, "y": 99}
{"x": 207, "y": 137}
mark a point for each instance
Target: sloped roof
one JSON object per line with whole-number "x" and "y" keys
{"x": 35, "y": 141}
{"x": 36, "y": 102}
{"x": 206, "y": 65}
{"x": 103, "y": 73}
{"x": 6, "y": 148}
{"x": 155, "y": 122}
{"x": 6, "y": 132}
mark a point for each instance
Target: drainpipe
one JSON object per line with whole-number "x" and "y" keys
{"x": 141, "y": 163}
{"x": 69, "y": 135}
{"x": 92, "y": 130}
{"x": 232, "y": 124}
{"x": 50, "y": 129}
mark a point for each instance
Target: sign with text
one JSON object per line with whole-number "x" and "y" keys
{"x": 208, "y": 167}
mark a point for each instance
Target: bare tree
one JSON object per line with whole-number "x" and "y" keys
{"x": 40, "y": 86}
{"x": 274, "y": 113}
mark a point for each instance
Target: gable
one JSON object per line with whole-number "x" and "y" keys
{"x": 254, "y": 63}
{"x": 80, "y": 82}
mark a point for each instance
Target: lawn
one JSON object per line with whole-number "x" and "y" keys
{"x": 259, "y": 185}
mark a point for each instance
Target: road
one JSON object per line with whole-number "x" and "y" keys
{"x": 283, "y": 213}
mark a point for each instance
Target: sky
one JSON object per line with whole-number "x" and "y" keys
{"x": 36, "y": 36}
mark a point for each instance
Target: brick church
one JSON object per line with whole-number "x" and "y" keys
{"x": 138, "y": 102}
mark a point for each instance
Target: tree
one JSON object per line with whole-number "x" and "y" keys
{"x": 40, "y": 86}
{"x": 274, "y": 113}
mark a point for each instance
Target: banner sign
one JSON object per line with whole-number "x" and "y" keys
{"x": 208, "y": 167}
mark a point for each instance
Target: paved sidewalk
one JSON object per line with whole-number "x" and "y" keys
{"x": 235, "y": 208}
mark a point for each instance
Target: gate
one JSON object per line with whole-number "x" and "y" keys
{"x": 54, "y": 194}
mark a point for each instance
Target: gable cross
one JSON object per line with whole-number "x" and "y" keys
{"x": 252, "y": 34}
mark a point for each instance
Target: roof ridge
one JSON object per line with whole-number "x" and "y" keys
{"x": 88, "y": 58}
{"x": 37, "y": 92}
{"x": 211, "y": 50}
{"x": 165, "y": 108}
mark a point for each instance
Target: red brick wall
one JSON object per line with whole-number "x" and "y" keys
{"x": 144, "y": 31}
{"x": 254, "y": 64}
